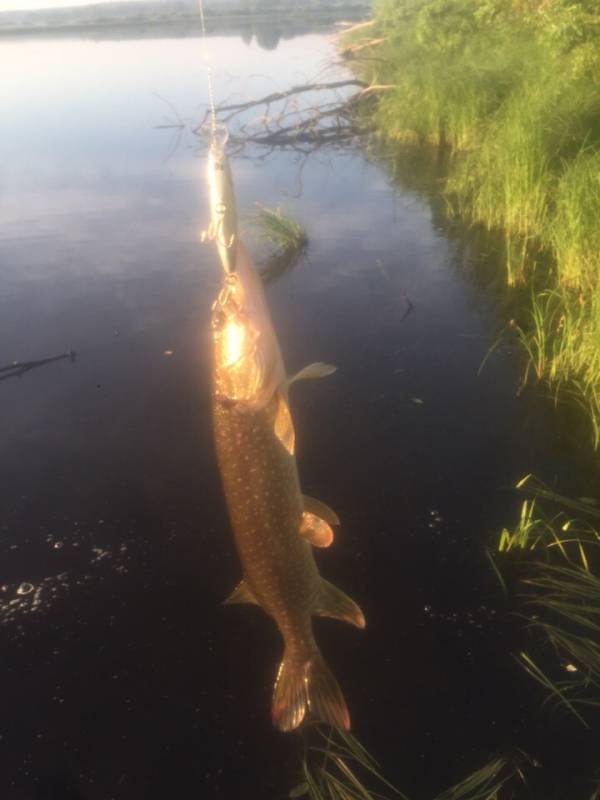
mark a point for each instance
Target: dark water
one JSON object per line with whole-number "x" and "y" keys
{"x": 122, "y": 675}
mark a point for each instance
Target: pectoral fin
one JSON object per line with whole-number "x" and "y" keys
{"x": 315, "y": 530}
{"x": 332, "y": 602}
{"x": 284, "y": 426}
{"x": 312, "y": 372}
{"x": 241, "y": 594}
{"x": 321, "y": 510}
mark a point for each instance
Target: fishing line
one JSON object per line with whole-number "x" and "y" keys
{"x": 211, "y": 97}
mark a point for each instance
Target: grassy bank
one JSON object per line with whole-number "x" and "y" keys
{"x": 511, "y": 90}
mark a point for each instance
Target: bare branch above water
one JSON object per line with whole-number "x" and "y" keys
{"x": 331, "y": 119}
{"x": 274, "y": 97}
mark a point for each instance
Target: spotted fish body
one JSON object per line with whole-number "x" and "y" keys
{"x": 274, "y": 525}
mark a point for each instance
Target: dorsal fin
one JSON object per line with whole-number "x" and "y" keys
{"x": 315, "y": 530}
{"x": 332, "y": 602}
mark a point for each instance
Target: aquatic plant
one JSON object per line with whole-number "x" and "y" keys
{"x": 284, "y": 234}
{"x": 559, "y": 333}
{"x": 279, "y": 229}
{"x": 536, "y": 529}
{"x": 564, "y": 602}
{"x": 335, "y": 766}
{"x": 560, "y": 597}
{"x": 489, "y": 781}
{"x": 533, "y": 485}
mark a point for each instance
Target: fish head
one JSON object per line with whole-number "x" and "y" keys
{"x": 248, "y": 364}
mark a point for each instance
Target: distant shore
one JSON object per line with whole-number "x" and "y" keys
{"x": 189, "y": 25}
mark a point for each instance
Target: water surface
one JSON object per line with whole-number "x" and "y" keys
{"x": 123, "y": 676}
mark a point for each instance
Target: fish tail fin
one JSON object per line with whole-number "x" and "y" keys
{"x": 307, "y": 685}
{"x": 325, "y": 698}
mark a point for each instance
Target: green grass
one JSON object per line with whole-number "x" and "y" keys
{"x": 286, "y": 238}
{"x": 560, "y": 593}
{"x": 559, "y": 333}
{"x": 538, "y": 530}
{"x": 335, "y": 766}
{"x": 563, "y": 604}
{"x": 490, "y": 781}
{"x": 511, "y": 90}
{"x": 279, "y": 229}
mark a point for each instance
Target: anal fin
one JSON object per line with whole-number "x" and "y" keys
{"x": 241, "y": 594}
{"x": 332, "y": 602}
{"x": 315, "y": 530}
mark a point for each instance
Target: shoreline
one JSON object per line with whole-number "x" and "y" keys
{"x": 524, "y": 158}
{"x": 190, "y": 24}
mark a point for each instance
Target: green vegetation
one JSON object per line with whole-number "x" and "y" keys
{"x": 335, "y": 766}
{"x": 285, "y": 235}
{"x": 488, "y": 782}
{"x": 560, "y": 596}
{"x": 551, "y": 555}
{"x": 510, "y": 90}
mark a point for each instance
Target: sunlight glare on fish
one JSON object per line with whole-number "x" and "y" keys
{"x": 235, "y": 338}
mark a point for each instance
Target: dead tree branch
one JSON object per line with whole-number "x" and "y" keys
{"x": 359, "y": 26}
{"x": 378, "y": 87}
{"x": 286, "y": 123}
{"x": 227, "y": 112}
{"x": 348, "y": 52}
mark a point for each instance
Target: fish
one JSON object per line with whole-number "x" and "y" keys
{"x": 275, "y": 526}
{"x": 223, "y": 227}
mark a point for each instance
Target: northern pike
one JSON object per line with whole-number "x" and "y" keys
{"x": 275, "y": 526}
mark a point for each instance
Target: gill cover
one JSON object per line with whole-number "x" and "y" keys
{"x": 249, "y": 367}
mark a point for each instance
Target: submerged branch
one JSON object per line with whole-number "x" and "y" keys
{"x": 17, "y": 368}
